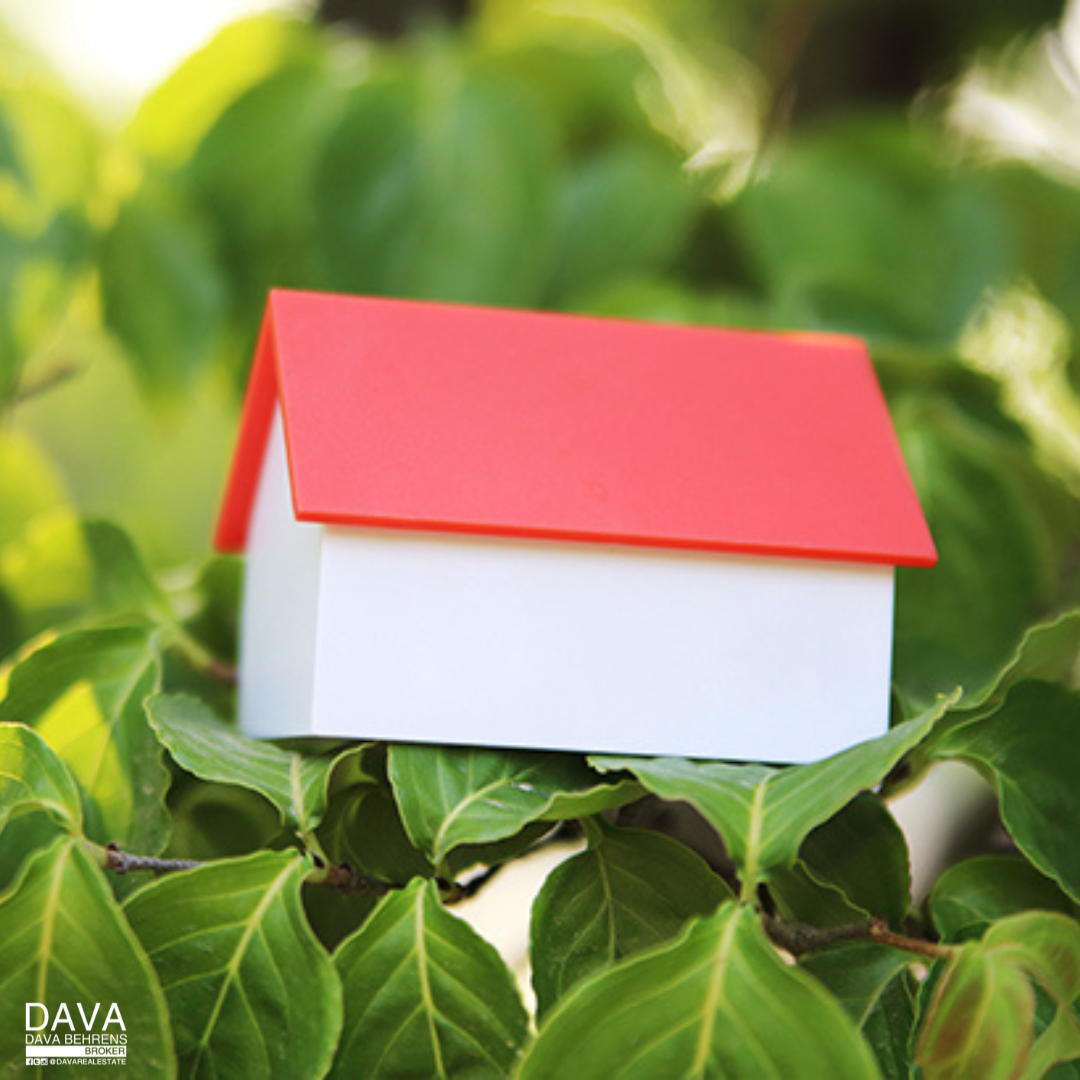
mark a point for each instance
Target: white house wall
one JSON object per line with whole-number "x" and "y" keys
{"x": 281, "y": 599}
{"x": 439, "y": 638}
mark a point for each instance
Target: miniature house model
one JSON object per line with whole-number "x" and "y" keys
{"x": 529, "y": 530}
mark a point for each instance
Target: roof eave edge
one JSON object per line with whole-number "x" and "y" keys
{"x": 909, "y": 556}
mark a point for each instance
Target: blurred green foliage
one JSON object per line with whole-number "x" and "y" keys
{"x": 619, "y": 158}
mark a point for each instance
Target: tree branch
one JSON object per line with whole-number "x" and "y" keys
{"x": 933, "y": 950}
{"x": 340, "y": 876}
{"x": 799, "y": 938}
{"x": 120, "y": 862}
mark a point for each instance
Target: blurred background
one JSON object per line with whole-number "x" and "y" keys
{"x": 901, "y": 169}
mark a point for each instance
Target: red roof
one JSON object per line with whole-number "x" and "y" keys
{"x": 426, "y": 416}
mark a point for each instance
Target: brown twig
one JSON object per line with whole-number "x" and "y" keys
{"x": 800, "y": 939}
{"x": 340, "y": 876}
{"x": 880, "y": 932}
{"x": 119, "y": 862}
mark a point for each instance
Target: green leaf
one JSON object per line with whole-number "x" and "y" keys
{"x": 626, "y": 211}
{"x": 11, "y": 631}
{"x": 844, "y": 220}
{"x": 1057, "y": 1048}
{"x": 83, "y": 693}
{"x": 1025, "y": 345}
{"x": 889, "y": 1026}
{"x": 205, "y": 638}
{"x": 174, "y": 117}
{"x": 249, "y": 989}
{"x": 981, "y": 1019}
{"x": 971, "y": 895}
{"x": 251, "y": 176}
{"x": 466, "y": 856}
{"x": 1046, "y": 944}
{"x": 40, "y": 276}
{"x": 215, "y": 821}
{"x": 874, "y": 986}
{"x": 199, "y": 742}
{"x": 39, "y": 799}
{"x": 335, "y": 915}
{"x": 32, "y": 777}
{"x": 996, "y": 518}
{"x": 764, "y": 814}
{"x": 979, "y": 1023}
{"x": 852, "y": 867}
{"x": 1048, "y": 211}
{"x": 122, "y": 581}
{"x": 57, "y": 145}
{"x": 163, "y": 292}
{"x": 9, "y": 153}
{"x": 587, "y": 800}
{"x": 29, "y": 484}
{"x": 363, "y": 828}
{"x": 424, "y": 995}
{"x": 64, "y": 569}
{"x": 216, "y": 618}
{"x": 45, "y": 237}
{"x": 25, "y": 833}
{"x": 630, "y": 890}
{"x": 586, "y": 95}
{"x": 1047, "y": 947}
{"x": 437, "y": 183}
{"x": 862, "y": 850}
{"x": 451, "y": 796}
{"x": 47, "y": 573}
{"x": 1030, "y": 752}
{"x": 1047, "y": 652}
{"x": 718, "y": 1002}
{"x": 65, "y": 941}
{"x": 803, "y": 897}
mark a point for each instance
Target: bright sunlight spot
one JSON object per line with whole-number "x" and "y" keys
{"x": 113, "y": 51}
{"x": 1027, "y": 104}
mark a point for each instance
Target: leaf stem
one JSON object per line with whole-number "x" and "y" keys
{"x": 201, "y": 658}
{"x": 799, "y": 938}
{"x": 749, "y": 873}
